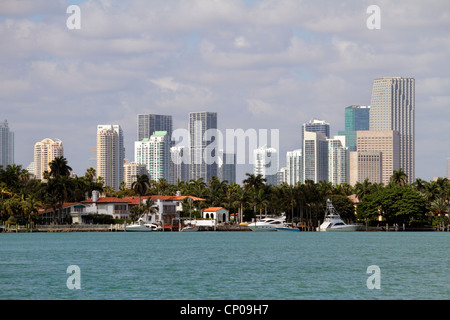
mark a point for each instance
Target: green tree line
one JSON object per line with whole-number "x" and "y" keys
{"x": 420, "y": 203}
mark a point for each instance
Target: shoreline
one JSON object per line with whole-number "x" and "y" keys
{"x": 218, "y": 228}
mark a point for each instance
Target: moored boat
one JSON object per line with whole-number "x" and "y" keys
{"x": 288, "y": 227}
{"x": 189, "y": 229}
{"x": 267, "y": 224}
{"x": 333, "y": 221}
{"x": 142, "y": 226}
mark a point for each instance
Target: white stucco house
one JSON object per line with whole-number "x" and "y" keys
{"x": 219, "y": 214}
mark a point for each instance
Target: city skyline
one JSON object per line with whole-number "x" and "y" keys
{"x": 258, "y": 64}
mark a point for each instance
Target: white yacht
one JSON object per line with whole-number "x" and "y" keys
{"x": 267, "y": 224}
{"x": 142, "y": 226}
{"x": 288, "y": 227}
{"x": 333, "y": 221}
{"x": 189, "y": 228}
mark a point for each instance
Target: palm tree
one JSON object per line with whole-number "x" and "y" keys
{"x": 217, "y": 191}
{"x": 59, "y": 184}
{"x": 362, "y": 189}
{"x": 254, "y": 183}
{"x": 5, "y": 193}
{"x": 289, "y": 196}
{"x": 399, "y": 177}
{"x": 59, "y": 167}
{"x": 148, "y": 207}
{"x": 140, "y": 186}
{"x": 90, "y": 174}
{"x": 31, "y": 205}
{"x": 197, "y": 187}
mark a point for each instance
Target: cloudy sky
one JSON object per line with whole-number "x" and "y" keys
{"x": 260, "y": 64}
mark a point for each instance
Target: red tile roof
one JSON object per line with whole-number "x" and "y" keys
{"x": 65, "y": 205}
{"x": 107, "y": 200}
{"x": 213, "y": 209}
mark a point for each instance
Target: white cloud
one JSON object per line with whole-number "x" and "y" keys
{"x": 241, "y": 42}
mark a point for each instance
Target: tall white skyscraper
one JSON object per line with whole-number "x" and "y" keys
{"x": 110, "y": 155}
{"x": 338, "y": 161}
{"x": 179, "y": 168}
{"x": 393, "y": 108}
{"x": 265, "y": 163}
{"x": 315, "y": 156}
{"x": 294, "y": 167}
{"x": 155, "y": 154}
{"x": 45, "y": 152}
{"x": 203, "y": 145}
{"x": 6, "y": 145}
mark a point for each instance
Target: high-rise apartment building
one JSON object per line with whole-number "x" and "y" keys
{"x": 110, "y": 155}
{"x": 338, "y": 161}
{"x": 392, "y": 107}
{"x": 316, "y": 125}
{"x": 356, "y": 119}
{"x": 6, "y": 145}
{"x": 366, "y": 165}
{"x": 387, "y": 144}
{"x": 315, "y": 156}
{"x": 294, "y": 167}
{"x": 226, "y": 168}
{"x": 45, "y": 152}
{"x": 179, "y": 168}
{"x": 265, "y": 163}
{"x": 130, "y": 172}
{"x": 282, "y": 176}
{"x": 203, "y": 145}
{"x": 148, "y": 124}
{"x": 155, "y": 154}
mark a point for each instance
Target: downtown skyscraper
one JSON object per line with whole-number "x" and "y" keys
{"x": 110, "y": 155}
{"x": 203, "y": 145}
{"x": 6, "y": 145}
{"x": 315, "y": 150}
{"x": 154, "y": 153}
{"x": 46, "y": 151}
{"x": 356, "y": 119}
{"x": 265, "y": 163}
{"x": 393, "y": 108}
{"x": 148, "y": 124}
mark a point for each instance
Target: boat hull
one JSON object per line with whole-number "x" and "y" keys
{"x": 262, "y": 228}
{"x": 346, "y": 228}
{"x": 289, "y": 229}
{"x": 189, "y": 229}
{"x": 132, "y": 228}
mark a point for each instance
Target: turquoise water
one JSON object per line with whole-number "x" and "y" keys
{"x": 225, "y": 265}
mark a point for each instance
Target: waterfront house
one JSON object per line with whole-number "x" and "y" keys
{"x": 219, "y": 214}
{"x": 115, "y": 207}
{"x": 167, "y": 209}
{"x": 73, "y": 210}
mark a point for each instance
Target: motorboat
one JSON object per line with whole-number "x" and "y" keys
{"x": 142, "y": 226}
{"x": 190, "y": 228}
{"x": 267, "y": 224}
{"x": 288, "y": 227}
{"x": 333, "y": 221}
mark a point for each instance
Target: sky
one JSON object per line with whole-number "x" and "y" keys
{"x": 261, "y": 64}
